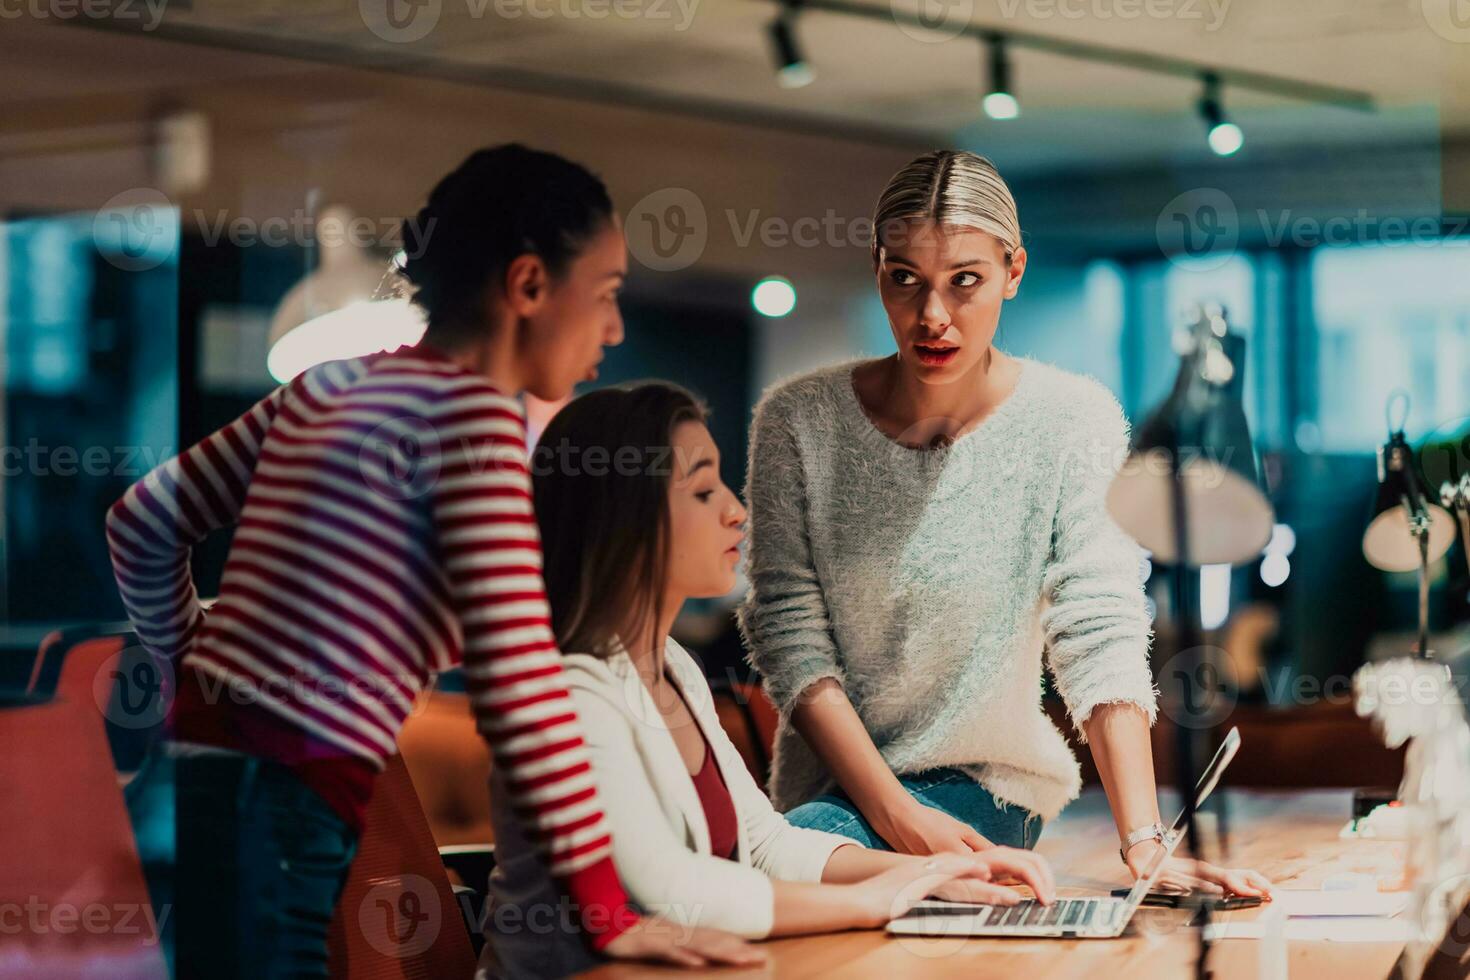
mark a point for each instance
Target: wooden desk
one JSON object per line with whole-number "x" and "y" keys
{"x": 1291, "y": 837}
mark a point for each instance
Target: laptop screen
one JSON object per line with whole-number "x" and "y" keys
{"x": 1211, "y": 777}
{"x": 1202, "y": 791}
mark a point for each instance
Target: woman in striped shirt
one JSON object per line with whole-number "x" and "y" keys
{"x": 383, "y": 531}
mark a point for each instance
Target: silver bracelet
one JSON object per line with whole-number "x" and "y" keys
{"x": 1154, "y": 831}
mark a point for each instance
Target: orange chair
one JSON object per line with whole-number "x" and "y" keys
{"x": 70, "y": 858}
{"x": 398, "y": 917}
{"x": 763, "y": 712}
{"x": 450, "y": 767}
{"x": 750, "y": 719}
{"x": 60, "y": 646}
{"x": 104, "y": 668}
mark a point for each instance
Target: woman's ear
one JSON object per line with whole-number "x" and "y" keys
{"x": 1015, "y": 272}
{"x": 527, "y": 282}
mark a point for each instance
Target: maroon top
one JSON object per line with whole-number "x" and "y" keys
{"x": 719, "y": 808}
{"x": 714, "y": 797}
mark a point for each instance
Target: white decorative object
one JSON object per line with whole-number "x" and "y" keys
{"x": 1415, "y": 701}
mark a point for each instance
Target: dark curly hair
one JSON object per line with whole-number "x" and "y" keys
{"x": 501, "y": 203}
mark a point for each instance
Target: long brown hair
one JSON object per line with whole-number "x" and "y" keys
{"x": 601, "y": 475}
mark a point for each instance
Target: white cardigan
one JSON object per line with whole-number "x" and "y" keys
{"x": 661, "y": 840}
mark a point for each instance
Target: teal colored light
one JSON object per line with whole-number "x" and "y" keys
{"x": 1001, "y": 105}
{"x": 1226, "y": 138}
{"x": 773, "y": 296}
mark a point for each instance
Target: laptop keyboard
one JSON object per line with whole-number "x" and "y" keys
{"x": 1074, "y": 913}
{"x": 1066, "y": 912}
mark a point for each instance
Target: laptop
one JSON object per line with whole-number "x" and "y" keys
{"x": 1066, "y": 918}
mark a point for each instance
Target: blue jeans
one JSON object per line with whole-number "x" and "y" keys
{"x": 949, "y": 790}
{"x": 248, "y": 860}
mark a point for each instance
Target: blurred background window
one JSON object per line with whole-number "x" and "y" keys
{"x": 1390, "y": 316}
{"x": 91, "y": 387}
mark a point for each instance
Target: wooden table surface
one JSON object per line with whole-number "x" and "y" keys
{"x": 1291, "y": 837}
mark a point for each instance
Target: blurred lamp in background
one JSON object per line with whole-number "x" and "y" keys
{"x": 357, "y": 329}
{"x": 1202, "y": 424}
{"x": 792, "y": 70}
{"x": 1405, "y": 521}
{"x": 179, "y": 147}
{"x": 1456, "y": 498}
{"x": 1407, "y": 530}
{"x": 335, "y": 312}
{"x": 1224, "y": 137}
{"x": 1000, "y": 101}
{"x": 1276, "y": 566}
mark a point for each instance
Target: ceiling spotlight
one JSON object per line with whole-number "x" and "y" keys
{"x": 773, "y": 296}
{"x": 792, "y": 70}
{"x": 999, "y": 101}
{"x": 1225, "y": 137}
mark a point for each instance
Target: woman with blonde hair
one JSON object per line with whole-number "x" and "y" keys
{"x": 922, "y": 527}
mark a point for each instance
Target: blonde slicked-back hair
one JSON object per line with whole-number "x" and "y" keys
{"x": 948, "y": 187}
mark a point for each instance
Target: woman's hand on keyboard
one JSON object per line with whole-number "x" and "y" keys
{"x": 887, "y": 896}
{"x": 999, "y": 864}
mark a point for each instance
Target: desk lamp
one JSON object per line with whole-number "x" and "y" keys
{"x": 1407, "y": 529}
{"x": 1189, "y": 492}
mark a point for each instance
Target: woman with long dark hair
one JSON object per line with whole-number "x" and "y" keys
{"x": 383, "y": 532}
{"x": 635, "y": 520}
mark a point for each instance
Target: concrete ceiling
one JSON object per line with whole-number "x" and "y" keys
{"x": 876, "y": 79}
{"x": 307, "y": 96}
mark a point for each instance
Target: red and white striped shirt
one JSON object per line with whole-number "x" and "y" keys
{"x": 384, "y": 531}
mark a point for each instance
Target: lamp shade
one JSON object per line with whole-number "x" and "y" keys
{"x": 356, "y": 330}
{"x": 1228, "y": 518}
{"x": 335, "y": 310}
{"x": 1389, "y": 543}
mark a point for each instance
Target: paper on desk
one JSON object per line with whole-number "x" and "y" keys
{"x": 1332, "y": 929}
{"x": 1303, "y": 904}
{"x": 1324, "y": 916}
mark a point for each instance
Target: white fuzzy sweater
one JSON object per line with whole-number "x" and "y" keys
{"x": 928, "y": 582}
